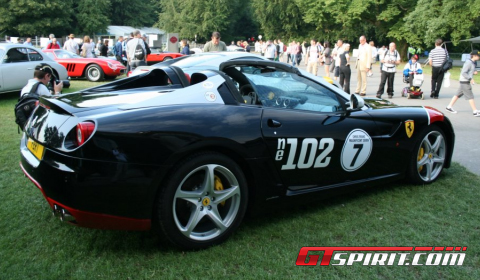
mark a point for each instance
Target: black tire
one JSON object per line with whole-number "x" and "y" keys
{"x": 94, "y": 73}
{"x": 203, "y": 202}
{"x": 428, "y": 157}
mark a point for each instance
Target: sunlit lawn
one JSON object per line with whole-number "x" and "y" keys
{"x": 35, "y": 245}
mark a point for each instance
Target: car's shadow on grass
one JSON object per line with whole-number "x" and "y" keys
{"x": 293, "y": 217}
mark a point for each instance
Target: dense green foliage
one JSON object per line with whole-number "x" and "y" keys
{"x": 411, "y": 22}
{"x": 62, "y": 17}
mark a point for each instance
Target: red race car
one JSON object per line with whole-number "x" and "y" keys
{"x": 158, "y": 56}
{"x": 94, "y": 69}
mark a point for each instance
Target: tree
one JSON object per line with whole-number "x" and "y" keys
{"x": 30, "y": 17}
{"x": 91, "y": 21}
{"x": 447, "y": 19}
{"x": 136, "y": 13}
{"x": 197, "y": 17}
{"x": 281, "y": 19}
{"x": 349, "y": 19}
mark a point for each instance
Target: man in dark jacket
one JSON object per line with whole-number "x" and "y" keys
{"x": 119, "y": 49}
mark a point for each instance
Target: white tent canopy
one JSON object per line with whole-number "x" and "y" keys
{"x": 475, "y": 40}
{"x": 126, "y": 30}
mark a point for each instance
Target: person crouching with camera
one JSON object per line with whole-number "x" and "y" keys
{"x": 43, "y": 74}
{"x": 390, "y": 61}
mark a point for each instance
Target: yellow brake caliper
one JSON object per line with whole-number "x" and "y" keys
{"x": 420, "y": 156}
{"x": 219, "y": 187}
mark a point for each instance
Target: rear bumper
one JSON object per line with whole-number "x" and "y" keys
{"x": 98, "y": 194}
{"x": 90, "y": 219}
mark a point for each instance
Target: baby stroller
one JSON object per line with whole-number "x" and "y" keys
{"x": 414, "y": 91}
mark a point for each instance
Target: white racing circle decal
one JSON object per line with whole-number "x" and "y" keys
{"x": 356, "y": 150}
{"x": 210, "y": 96}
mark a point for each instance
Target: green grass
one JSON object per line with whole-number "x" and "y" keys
{"x": 35, "y": 245}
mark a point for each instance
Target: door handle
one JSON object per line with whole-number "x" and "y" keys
{"x": 29, "y": 68}
{"x": 274, "y": 123}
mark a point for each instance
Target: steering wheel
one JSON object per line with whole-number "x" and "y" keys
{"x": 248, "y": 91}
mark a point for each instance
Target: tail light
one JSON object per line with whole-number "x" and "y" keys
{"x": 129, "y": 73}
{"x": 83, "y": 131}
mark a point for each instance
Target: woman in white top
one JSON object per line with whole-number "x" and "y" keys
{"x": 87, "y": 48}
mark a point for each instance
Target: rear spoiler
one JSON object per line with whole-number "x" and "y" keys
{"x": 155, "y": 77}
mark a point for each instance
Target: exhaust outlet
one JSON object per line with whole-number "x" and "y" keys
{"x": 66, "y": 216}
{"x": 63, "y": 214}
{"x": 57, "y": 211}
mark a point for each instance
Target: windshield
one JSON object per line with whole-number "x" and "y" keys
{"x": 65, "y": 54}
{"x": 196, "y": 60}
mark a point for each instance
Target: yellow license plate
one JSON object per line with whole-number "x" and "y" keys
{"x": 37, "y": 149}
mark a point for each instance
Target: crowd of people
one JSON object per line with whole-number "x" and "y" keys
{"x": 334, "y": 58}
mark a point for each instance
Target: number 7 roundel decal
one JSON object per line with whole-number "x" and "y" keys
{"x": 356, "y": 150}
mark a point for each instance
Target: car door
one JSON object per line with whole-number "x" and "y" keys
{"x": 17, "y": 68}
{"x": 313, "y": 140}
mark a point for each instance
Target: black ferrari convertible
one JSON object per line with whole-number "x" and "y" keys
{"x": 188, "y": 153}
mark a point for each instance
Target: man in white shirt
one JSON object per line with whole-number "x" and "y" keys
{"x": 136, "y": 60}
{"x": 390, "y": 61}
{"x": 270, "y": 50}
{"x": 381, "y": 53}
{"x": 42, "y": 74}
{"x": 313, "y": 57}
{"x": 71, "y": 45}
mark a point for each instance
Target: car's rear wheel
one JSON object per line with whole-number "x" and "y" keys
{"x": 94, "y": 73}
{"x": 203, "y": 202}
{"x": 428, "y": 159}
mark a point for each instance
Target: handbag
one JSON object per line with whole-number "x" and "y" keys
{"x": 448, "y": 63}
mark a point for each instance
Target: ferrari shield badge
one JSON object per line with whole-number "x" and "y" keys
{"x": 409, "y": 127}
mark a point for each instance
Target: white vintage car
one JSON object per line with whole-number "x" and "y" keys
{"x": 17, "y": 64}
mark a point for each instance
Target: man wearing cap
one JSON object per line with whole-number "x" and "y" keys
{"x": 71, "y": 45}
{"x": 466, "y": 82}
{"x": 43, "y": 73}
{"x": 215, "y": 45}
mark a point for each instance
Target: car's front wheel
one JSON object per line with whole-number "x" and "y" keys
{"x": 428, "y": 159}
{"x": 203, "y": 202}
{"x": 94, "y": 73}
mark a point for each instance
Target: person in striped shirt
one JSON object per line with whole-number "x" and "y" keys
{"x": 436, "y": 58}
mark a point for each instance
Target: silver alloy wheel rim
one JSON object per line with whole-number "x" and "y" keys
{"x": 218, "y": 219}
{"x": 93, "y": 73}
{"x": 431, "y": 162}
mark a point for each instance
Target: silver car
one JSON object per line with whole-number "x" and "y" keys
{"x": 17, "y": 64}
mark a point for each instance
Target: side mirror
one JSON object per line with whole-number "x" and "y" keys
{"x": 356, "y": 102}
